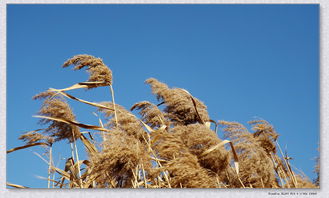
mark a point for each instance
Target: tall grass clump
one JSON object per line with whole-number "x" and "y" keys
{"x": 171, "y": 144}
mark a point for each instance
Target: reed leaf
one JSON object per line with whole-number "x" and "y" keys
{"x": 86, "y": 126}
{"x": 27, "y": 146}
{"x": 15, "y": 185}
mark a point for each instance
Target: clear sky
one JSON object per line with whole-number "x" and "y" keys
{"x": 242, "y": 61}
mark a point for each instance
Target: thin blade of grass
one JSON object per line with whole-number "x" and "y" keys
{"x": 86, "y": 162}
{"x": 15, "y": 185}
{"x": 75, "y": 86}
{"x": 91, "y": 148}
{"x": 149, "y": 129}
{"x": 86, "y": 126}
{"x": 62, "y": 173}
{"x": 43, "y": 159}
{"x": 95, "y": 83}
{"x": 27, "y": 146}
{"x": 44, "y": 178}
{"x": 80, "y": 100}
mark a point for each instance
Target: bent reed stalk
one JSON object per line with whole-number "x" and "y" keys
{"x": 169, "y": 145}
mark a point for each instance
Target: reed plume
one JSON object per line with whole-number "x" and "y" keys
{"x": 180, "y": 107}
{"x": 55, "y": 106}
{"x": 35, "y": 137}
{"x": 265, "y": 135}
{"x": 256, "y": 167}
{"x": 151, "y": 114}
{"x": 126, "y": 121}
{"x": 198, "y": 138}
{"x": 183, "y": 167}
{"x": 186, "y": 172}
{"x": 121, "y": 154}
{"x": 167, "y": 145}
{"x": 100, "y": 74}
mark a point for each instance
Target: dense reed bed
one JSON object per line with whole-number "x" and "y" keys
{"x": 172, "y": 144}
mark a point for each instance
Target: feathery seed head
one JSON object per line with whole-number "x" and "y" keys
{"x": 34, "y": 137}
{"x": 167, "y": 145}
{"x": 122, "y": 153}
{"x": 150, "y": 113}
{"x": 198, "y": 138}
{"x": 126, "y": 121}
{"x": 255, "y": 164}
{"x": 98, "y": 71}
{"x": 265, "y": 135}
{"x": 179, "y": 104}
{"x": 55, "y": 106}
{"x": 185, "y": 171}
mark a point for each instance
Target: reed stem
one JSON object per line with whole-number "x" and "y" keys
{"x": 50, "y": 165}
{"x": 113, "y": 101}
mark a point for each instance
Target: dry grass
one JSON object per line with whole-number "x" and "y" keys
{"x": 169, "y": 147}
{"x": 55, "y": 106}
{"x": 100, "y": 74}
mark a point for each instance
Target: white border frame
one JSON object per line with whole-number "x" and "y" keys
{"x": 156, "y": 193}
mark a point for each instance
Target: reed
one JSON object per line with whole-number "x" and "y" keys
{"x": 169, "y": 145}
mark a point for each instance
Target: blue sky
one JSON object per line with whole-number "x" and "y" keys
{"x": 242, "y": 61}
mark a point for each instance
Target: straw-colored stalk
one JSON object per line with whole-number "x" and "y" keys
{"x": 113, "y": 101}
{"x": 50, "y": 165}
{"x": 291, "y": 174}
{"x": 74, "y": 150}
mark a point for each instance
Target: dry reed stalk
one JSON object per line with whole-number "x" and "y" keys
{"x": 135, "y": 181}
{"x": 276, "y": 168}
{"x": 53, "y": 179}
{"x": 283, "y": 172}
{"x": 114, "y": 106}
{"x": 78, "y": 162}
{"x": 72, "y": 151}
{"x": 50, "y": 165}
{"x": 144, "y": 176}
{"x": 290, "y": 173}
{"x": 102, "y": 125}
{"x": 241, "y": 182}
